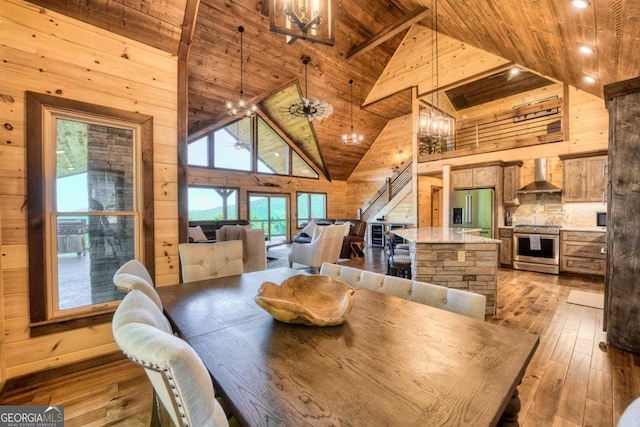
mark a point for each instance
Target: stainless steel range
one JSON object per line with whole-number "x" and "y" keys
{"x": 536, "y": 248}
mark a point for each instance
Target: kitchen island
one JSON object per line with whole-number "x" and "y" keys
{"x": 456, "y": 258}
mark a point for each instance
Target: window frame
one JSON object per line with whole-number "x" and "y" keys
{"x": 39, "y": 193}
{"x": 215, "y": 188}
{"x": 308, "y": 194}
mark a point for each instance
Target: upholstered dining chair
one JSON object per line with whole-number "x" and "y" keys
{"x": 133, "y": 275}
{"x": 631, "y": 415}
{"x": 325, "y": 246}
{"x": 211, "y": 260}
{"x": 180, "y": 380}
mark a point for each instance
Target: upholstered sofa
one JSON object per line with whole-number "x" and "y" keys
{"x": 454, "y": 300}
{"x": 209, "y": 227}
{"x": 356, "y": 234}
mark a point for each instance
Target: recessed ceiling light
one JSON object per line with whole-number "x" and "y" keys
{"x": 589, "y": 79}
{"x": 581, "y": 4}
{"x": 587, "y": 50}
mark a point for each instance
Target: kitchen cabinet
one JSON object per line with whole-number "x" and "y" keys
{"x": 622, "y": 293}
{"x": 510, "y": 182}
{"x": 506, "y": 247}
{"x": 583, "y": 252}
{"x": 584, "y": 177}
{"x": 479, "y": 177}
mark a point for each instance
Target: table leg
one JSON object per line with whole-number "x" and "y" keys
{"x": 509, "y": 417}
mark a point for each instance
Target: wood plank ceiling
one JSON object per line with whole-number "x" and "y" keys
{"x": 540, "y": 35}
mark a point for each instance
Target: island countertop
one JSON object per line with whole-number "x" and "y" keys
{"x": 442, "y": 235}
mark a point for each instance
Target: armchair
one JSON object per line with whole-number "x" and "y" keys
{"x": 325, "y": 246}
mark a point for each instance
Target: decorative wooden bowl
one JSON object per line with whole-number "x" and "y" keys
{"x": 309, "y": 300}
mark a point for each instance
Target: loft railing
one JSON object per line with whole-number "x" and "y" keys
{"x": 528, "y": 125}
{"x": 393, "y": 185}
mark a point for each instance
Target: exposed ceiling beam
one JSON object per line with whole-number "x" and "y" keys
{"x": 188, "y": 26}
{"x": 408, "y": 20}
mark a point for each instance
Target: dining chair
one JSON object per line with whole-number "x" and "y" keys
{"x": 179, "y": 378}
{"x": 631, "y": 415}
{"x": 200, "y": 261}
{"x": 254, "y": 250}
{"x": 325, "y": 246}
{"x": 134, "y": 275}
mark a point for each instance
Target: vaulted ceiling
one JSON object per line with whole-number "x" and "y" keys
{"x": 540, "y": 35}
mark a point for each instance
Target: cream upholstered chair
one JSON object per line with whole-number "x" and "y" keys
{"x": 254, "y": 251}
{"x": 180, "y": 380}
{"x": 133, "y": 275}
{"x": 201, "y": 261}
{"x": 325, "y": 246}
{"x": 631, "y": 415}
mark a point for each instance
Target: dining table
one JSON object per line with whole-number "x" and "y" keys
{"x": 392, "y": 362}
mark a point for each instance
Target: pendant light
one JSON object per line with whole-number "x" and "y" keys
{"x": 352, "y": 138}
{"x": 241, "y": 107}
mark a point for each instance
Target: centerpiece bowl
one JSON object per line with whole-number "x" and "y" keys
{"x": 309, "y": 300}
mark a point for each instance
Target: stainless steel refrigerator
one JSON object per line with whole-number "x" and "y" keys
{"x": 472, "y": 209}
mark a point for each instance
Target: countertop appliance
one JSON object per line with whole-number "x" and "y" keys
{"x": 473, "y": 209}
{"x": 536, "y": 248}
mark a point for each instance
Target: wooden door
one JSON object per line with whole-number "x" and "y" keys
{"x": 436, "y": 206}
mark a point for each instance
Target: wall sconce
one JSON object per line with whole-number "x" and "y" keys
{"x": 309, "y": 20}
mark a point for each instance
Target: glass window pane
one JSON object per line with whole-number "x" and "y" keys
{"x": 301, "y": 168}
{"x": 198, "y": 152}
{"x": 318, "y": 205}
{"x": 303, "y": 209}
{"x": 273, "y": 152}
{"x": 232, "y": 146}
{"x": 209, "y": 203}
{"x": 259, "y": 212}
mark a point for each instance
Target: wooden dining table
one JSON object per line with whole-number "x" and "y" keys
{"x": 393, "y": 362}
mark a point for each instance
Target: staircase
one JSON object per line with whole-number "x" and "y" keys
{"x": 395, "y": 189}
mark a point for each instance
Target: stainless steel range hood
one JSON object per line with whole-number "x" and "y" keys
{"x": 540, "y": 183}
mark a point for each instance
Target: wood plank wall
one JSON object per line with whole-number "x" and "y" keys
{"x": 50, "y": 53}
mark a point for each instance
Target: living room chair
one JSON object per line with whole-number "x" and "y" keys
{"x": 254, "y": 252}
{"x": 180, "y": 380}
{"x": 211, "y": 260}
{"x": 134, "y": 276}
{"x": 325, "y": 246}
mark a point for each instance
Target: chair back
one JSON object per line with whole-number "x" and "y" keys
{"x": 179, "y": 378}
{"x": 254, "y": 251}
{"x": 126, "y": 282}
{"x": 136, "y": 268}
{"x": 330, "y": 242}
{"x": 200, "y": 261}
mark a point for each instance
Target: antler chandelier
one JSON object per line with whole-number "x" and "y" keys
{"x": 352, "y": 138}
{"x": 240, "y": 108}
{"x": 312, "y": 109}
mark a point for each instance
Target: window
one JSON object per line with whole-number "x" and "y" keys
{"x": 271, "y": 213}
{"x": 311, "y": 206}
{"x": 87, "y": 201}
{"x": 232, "y": 147}
{"x": 212, "y": 203}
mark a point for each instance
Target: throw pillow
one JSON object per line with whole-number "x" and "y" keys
{"x": 196, "y": 234}
{"x": 309, "y": 228}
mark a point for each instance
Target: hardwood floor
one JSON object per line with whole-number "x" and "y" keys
{"x": 574, "y": 379}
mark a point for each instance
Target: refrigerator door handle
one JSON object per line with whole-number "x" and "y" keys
{"x": 469, "y": 213}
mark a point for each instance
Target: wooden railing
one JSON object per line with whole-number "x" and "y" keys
{"x": 534, "y": 124}
{"x": 389, "y": 190}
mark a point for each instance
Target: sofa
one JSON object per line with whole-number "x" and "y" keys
{"x": 454, "y": 300}
{"x": 209, "y": 228}
{"x": 356, "y": 233}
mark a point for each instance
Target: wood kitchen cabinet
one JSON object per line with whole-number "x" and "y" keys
{"x": 480, "y": 177}
{"x": 506, "y": 247}
{"x": 622, "y": 292}
{"x": 584, "y": 177}
{"x": 583, "y": 252}
{"x": 510, "y": 182}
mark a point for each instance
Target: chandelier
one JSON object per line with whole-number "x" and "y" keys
{"x": 435, "y": 127}
{"x": 241, "y": 107}
{"x": 352, "y": 138}
{"x": 309, "y": 20}
{"x": 312, "y": 109}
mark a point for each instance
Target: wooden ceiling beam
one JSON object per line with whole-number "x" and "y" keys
{"x": 188, "y": 27}
{"x": 407, "y": 21}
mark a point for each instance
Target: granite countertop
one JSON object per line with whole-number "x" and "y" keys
{"x": 591, "y": 229}
{"x": 442, "y": 235}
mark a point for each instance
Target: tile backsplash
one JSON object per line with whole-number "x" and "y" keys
{"x": 548, "y": 209}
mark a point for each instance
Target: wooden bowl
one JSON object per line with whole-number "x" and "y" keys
{"x": 309, "y": 300}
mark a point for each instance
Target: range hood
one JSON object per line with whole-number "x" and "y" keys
{"x": 540, "y": 183}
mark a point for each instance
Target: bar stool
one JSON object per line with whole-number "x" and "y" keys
{"x": 397, "y": 264}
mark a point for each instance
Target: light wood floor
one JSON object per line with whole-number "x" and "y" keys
{"x": 573, "y": 379}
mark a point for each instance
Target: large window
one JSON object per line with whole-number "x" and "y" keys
{"x": 212, "y": 203}
{"x": 271, "y": 213}
{"x": 86, "y": 204}
{"x": 231, "y": 147}
{"x": 311, "y": 206}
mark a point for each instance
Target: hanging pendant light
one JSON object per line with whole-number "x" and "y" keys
{"x": 312, "y": 109}
{"x": 241, "y": 107}
{"x": 352, "y": 138}
{"x": 435, "y": 128}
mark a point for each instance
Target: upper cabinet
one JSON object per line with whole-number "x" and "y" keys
{"x": 479, "y": 177}
{"x": 511, "y": 182}
{"x": 584, "y": 177}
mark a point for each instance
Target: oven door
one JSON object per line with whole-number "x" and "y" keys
{"x": 536, "y": 248}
